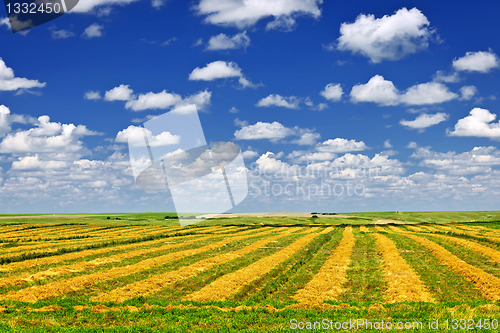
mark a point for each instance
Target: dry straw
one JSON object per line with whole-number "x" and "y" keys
{"x": 327, "y": 284}
{"x": 404, "y": 284}
{"x": 58, "y": 288}
{"x": 157, "y": 282}
{"x": 231, "y": 283}
{"x": 487, "y": 284}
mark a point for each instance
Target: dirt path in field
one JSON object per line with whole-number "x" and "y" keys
{"x": 388, "y": 221}
{"x": 45, "y": 216}
{"x": 209, "y": 216}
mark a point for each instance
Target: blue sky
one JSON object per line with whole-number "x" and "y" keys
{"x": 397, "y": 101}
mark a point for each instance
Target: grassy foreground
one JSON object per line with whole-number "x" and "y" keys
{"x": 141, "y": 273}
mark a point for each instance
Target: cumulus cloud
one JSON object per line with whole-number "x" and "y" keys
{"x": 467, "y": 92}
{"x": 157, "y": 4}
{"x": 477, "y": 160}
{"x": 291, "y": 102}
{"x": 479, "y": 123}
{"x": 4, "y": 120}
{"x": 154, "y": 101}
{"x": 249, "y": 154}
{"x": 425, "y": 120}
{"x": 332, "y": 92}
{"x": 46, "y": 137}
{"x": 34, "y": 162}
{"x": 166, "y": 100}
{"x": 9, "y": 82}
{"x": 219, "y": 70}
{"x": 307, "y": 139}
{"x": 427, "y": 93}
{"x": 61, "y": 34}
{"x": 340, "y": 145}
{"x": 135, "y": 136}
{"x": 391, "y": 37}
{"x": 243, "y": 14}
{"x": 225, "y": 42}
{"x": 310, "y": 157}
{"x": 384, "y": 92}
{"x": 92, "y": 95}
{"x": 377, "y": 90}
{"x": 441, "y": 76}
{"x": 93, "y": 31}
{"x": 150, "y": 100}
{"x": 482, "y": 62}
{"x": 261, "y": 130}
{"x": 120, "y": 93}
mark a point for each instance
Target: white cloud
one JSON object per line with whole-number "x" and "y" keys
{"x": 387, "y": 144}
{"x": 4, "y": 120}
{"x": 377, "y": 90}
{"x": 34, "y": 162}
{"x": 242, "y": 14}
{"x": 157, "y": 4}
{"x": 8, "y": 81}
{"x": 307, "y": 139}
{"x": 220, "y": 70}
{"x": 478, "y": 160}
{"x": 89, "y": 5}
{"x": 425, "y": 120}
{"x": 150, "y": 100}
{"x": 481, "y": 62}
{"x": 92, "y": 95}
{"x": 93, "y": 31}
{"x": 467, "y": 92}
{"x": 479, "y": 123}
{"x": 272, "y": 131}
{"x": 249, "y": 154}
{"x": 384, "y": 92}
{"x": 46, "y": 137}
{"x": 332, "y": 92}
{"x": 234, "y": 109}
{"x": 388, "y": 38}
{"x": 308, "y": 157}
{"x": 224, "y": 42}
{"x": 135, "y": 136}
{"x": 427, "y": 93}
{"x": 291, "y": 102}
{"x": 5, "y": 22}
{"x": 441, "y": 76}
{"x": 120, "y": 93}
{"x": 412, "y": 145}
{"x": 160, "y": 100}
{"x": 340, "y": 145}
{"x": 61, "y": 34}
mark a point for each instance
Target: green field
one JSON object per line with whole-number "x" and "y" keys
{"x": 142, "y": 272}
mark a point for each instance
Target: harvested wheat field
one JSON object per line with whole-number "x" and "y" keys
{"x": 259, "y": 275}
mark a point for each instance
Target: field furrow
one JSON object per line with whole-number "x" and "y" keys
{"x": 488, "y": 251}
{"x": 415, "y": 228}
{"x": 487, "y": 284}
{"x": 105, "y": 259}
{"x": 56, "y": 257}
{"x": 327, "y": 284}
{"x": 229, "y": 284}
{"x": 157, "y": 282}
{"x": 362, "y": 228}
{"x": 404, "y": 283}
{"x": 57, "y": 288}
